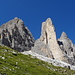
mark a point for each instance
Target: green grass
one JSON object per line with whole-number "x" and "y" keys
{"x": 15, "y": 63}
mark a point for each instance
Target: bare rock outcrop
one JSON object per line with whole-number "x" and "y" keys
{"x": 67, "y": 47}
{"x": 15, "y": 35}
{"x": 48, "y": 38}
{"x": 42, "y": 49}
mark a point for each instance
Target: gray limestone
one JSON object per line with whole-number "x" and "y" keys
{"x": 16, "y": 35}
{"x": 47, "y": 44}
{"x": 42, "y": 49}
{"x": 67, "y": 47}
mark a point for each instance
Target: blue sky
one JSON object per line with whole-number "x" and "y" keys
{"x": 34, "y": 12}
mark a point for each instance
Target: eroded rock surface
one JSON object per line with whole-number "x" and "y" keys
{"x": 42, "y": 49}
{"x": 15, "y": 35}
{"x": 67, "y": 47}
{"x": 48, "y": 39}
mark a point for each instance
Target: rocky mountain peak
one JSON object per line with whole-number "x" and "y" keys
{"x": 67, "y": 47}
{"x": 47, "y": 28}
{"x": 48, "y": 40}
{"x": 16, "y": 18}
{"x": 49, "y": 21}
{"x": 16, "y": 35}
{"x": 47, "y": 45}
{"x": 63, "y": 35}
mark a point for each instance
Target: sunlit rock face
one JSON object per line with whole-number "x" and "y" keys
{"x": 48, "y": 38}
{"x": 15, "y": 35}
{"x": 67, "y": 47}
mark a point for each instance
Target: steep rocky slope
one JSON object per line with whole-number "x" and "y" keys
{"x": 15, "y": 35}
{"x": 15, "y": 63}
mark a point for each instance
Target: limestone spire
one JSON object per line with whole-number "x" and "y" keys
{"x": 48, "y": 36}
{"x": 47, "y": 31}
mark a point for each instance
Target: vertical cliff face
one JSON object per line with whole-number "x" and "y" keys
{"x": 48, "y": 38}
{"x": 15, "y": 35}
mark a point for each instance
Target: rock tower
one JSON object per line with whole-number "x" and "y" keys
{"x": 48, "y": 38}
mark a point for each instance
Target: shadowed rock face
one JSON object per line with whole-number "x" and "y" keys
{"x": 67, "y": 47}
{"x": 15, "y": 35}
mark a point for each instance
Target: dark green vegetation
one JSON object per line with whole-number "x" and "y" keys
{"x": 15, "y": 63}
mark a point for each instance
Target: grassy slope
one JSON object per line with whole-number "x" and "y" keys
{"x": 15, "y": 63}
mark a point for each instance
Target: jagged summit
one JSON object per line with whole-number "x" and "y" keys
{"x": 63, "y": 35}
{"x": 49, "y": 21}
{"x": 16, "y": 18}
{"x": 67, "y": 47}
{"x": 48, "y": 38}
{"x": 47, "y": 45}
{"x": 16, "y": 35}
{"x": 12, "y": 23}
